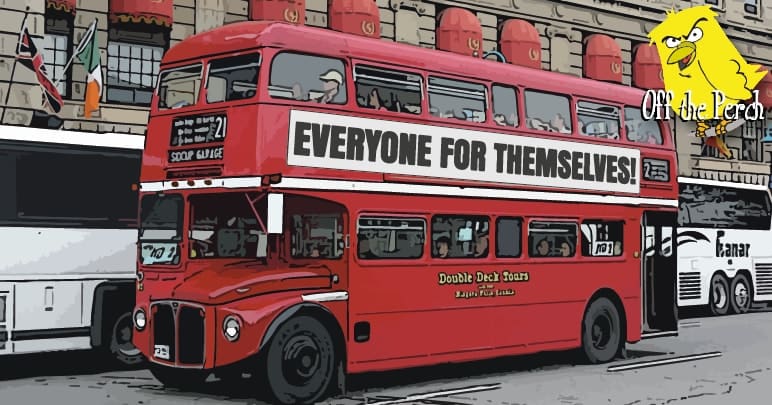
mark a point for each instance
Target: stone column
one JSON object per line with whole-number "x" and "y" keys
{"x": 236, "y": 10}
{"x": 490, "y": 31}
{"x": 209, "y": 14}
{"x": 565, "y": 49}
{"x": 316, "y": 13}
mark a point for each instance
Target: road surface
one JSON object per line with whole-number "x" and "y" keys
{"x": 737, "y": 369}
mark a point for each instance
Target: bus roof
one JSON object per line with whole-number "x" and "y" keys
{"x": 246, "y": 35}
{"x": 722, "y": 184}
{"x": 37, "y": 135}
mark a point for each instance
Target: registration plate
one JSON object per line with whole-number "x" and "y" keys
{"x": 161, "y": 352}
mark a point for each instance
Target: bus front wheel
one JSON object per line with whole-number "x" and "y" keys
{"x": 121, "y": 346}
{"x": 742, "y": 294}
{"x": 300, "y": 361}
{"x": 601, "y": 331}
{"x": 719, "y": 295}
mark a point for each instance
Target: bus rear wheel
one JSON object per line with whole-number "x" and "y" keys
{"x": 719, "y": 295}
{"x": 601, "y": 331}
{"x": 742, "y": 294}
{"x": 300, "y": 361}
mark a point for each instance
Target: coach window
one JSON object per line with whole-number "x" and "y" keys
{"x": 233, "y": 78}
{"x": 505, "y": 105}
{"x": 602, "y": 238}
{"x": 547, "y": 112}
{"x": 552, "y": 239}
{"x": 390, "y": 238}
{"x": 454, "y": 99}
{"x": 385, "y": 89}
{"x": 738, "y": 208}
{"x": 317, "y": 235}
{"x": 640, "y": 130}
{"x": 304, "y": 77}
{"x": 508, "y": 236}
{"x": 599, "y": 120}
{"x": 459, "y": 236}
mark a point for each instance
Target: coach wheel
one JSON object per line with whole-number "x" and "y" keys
{"x": 121, "y": 346}
{"x": 179, "y": 378}
{"x": 601, "y": 331}
{"x": 742, "y": 294}
{"x": 300, "y": 361}
{"x": 719, "y": 295}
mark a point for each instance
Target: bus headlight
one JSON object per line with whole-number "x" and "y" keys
{"x": 140, "y": 321}
{"x": 231, "y": 328}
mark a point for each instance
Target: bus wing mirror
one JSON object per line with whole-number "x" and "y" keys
{"x": 275, "y": 213}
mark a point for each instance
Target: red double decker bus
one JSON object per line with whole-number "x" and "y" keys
{"x": 309, "y": 212}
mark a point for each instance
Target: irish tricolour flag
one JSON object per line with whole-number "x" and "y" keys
{"x": 88, "y": 54}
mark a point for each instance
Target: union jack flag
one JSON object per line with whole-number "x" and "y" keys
{"x": 28, "y": 55}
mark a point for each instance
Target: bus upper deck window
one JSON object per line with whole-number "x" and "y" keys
{"x": 640, "y": 130}
{"x": 599, "y": 120}
{"x": 304, "y": 77}
{"x": 386, "y": 89}
{"x": 232, "y": 78}
{"x": 505, "y": 105}
{"x": 455, "y": 99}
{"x": 547, "y": 112}
{"x": 179, "y": 87}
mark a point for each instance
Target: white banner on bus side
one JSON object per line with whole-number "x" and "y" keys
{"x": 362, "y": 144}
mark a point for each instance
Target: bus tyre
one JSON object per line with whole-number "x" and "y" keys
{"x": 601, "y": 331}
{"x": 179, "y": 378}
{"x": 742, "y": 294}
{"x": 300, "y": 361}
{"x": 121, "y": 346}
{"x": 719, "y": 295}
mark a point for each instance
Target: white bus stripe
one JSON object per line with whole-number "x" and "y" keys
{"x": 673, "y": 360}
{"x": 325, "y": 297}
{"x": 408, "y": 188}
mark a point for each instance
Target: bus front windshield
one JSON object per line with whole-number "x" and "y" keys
{"x": 228, "y": 226}
{"x": 160, "y": 229}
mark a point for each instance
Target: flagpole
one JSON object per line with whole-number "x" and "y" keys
{"x": 13, "y": 69}
{"x": 75, "y": 53}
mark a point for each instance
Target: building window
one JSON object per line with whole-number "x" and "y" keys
{"x": 454, "y": 99}
{"x": 459, "y": 236}
{"x": 57, "y": 48}
{"x": 602, "y": 238}
{"x": 386, "y": 89}
{"x": 505, "y": 105}
{"x": 552, "y": 239}
{"x": 752, "y": 133}
{"x": 547, "y": 112}
{"x": 713, "y": 2}
{"x": 752, "y": 7}
{"x": 508, "y": 236}
{"x": 133, "y": 62}
{"x": 390, "y": 238}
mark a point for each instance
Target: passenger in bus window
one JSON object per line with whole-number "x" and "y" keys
{"x": 374, "y": 100}
{"x": 543, "y": 248}
{"x": 331, "y": 81}
{"x": 565, "y": 249}
{"x": 443, "y": 247}
{"x": 314, "y": 252}
{"x": 365, "y": 249}
{"x": 558, "y": 124}
{"x": 481, "y": 246}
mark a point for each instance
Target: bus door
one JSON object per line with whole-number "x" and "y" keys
{"x": 658, "y": 274}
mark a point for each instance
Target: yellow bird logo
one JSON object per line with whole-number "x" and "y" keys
{"x": 702, "y": 69}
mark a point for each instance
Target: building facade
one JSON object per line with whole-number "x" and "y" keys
{"x": 600, "y": 39}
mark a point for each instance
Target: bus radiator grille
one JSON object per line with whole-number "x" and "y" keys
{"x": 191, "y": 331}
